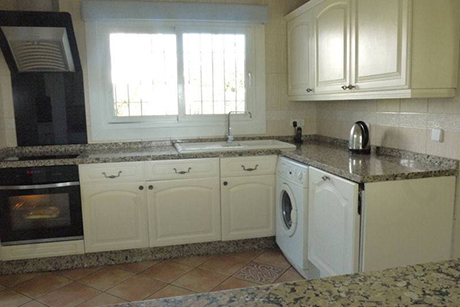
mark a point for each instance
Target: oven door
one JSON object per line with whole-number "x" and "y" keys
{"x": 40, "y": 213}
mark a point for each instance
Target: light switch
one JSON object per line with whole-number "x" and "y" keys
{"x": 437, "y": 135}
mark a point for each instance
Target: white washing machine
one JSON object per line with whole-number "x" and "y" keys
{"x": 292, "y": 212}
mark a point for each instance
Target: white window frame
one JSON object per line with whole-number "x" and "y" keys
{"x": 105, "y": 126}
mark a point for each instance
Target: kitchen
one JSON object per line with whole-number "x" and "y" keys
{"x": 190, "y": 181}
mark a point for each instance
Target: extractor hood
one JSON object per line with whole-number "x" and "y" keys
{"x": 38, "y": 42}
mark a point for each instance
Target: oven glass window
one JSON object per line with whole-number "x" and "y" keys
{"x": 41, "y": 211}
{"x": 286, "y": 209}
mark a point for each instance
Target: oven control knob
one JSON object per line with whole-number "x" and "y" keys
{"x": 141, "y": 187}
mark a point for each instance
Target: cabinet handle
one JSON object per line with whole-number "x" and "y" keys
{"x": 182, "y": 172}
{"x": 309, "y": 90}
{"x": 250, "y": 169}
{"x": 112, "y": 176}
{"x": 225, "y": 183}
{"x": 345, "y": 88}
{"x": 326, "y": 178}
{"x": 150, "y": 187}
{"x": 351, "y": 87}
{"x": 141, "y": 187}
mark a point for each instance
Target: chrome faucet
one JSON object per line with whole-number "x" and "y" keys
{"x": 230, "y": 137}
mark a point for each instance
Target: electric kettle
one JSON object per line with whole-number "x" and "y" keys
{"x": 359, "y": 138}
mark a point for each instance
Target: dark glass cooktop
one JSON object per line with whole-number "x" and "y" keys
{"x": 30, "y": 158}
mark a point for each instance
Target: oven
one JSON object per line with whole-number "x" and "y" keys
{"x": 40, "y": 204}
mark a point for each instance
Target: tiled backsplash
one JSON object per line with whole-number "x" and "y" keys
{"x": 404, "y": 124}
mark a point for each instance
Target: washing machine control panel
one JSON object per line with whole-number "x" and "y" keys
{"x": 293, "y": 171}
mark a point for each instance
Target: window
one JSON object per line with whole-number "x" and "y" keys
{"x": 170, "y": 79}
{"x": 144, "y": 74}
{"x": 214, "y": 73}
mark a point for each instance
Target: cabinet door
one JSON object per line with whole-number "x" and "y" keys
{"x": 333, "y": 224}
{"x": 332, "y": 37}
{"x": 114, "y": 216}
{"x": 380, "y": 44}
{"x": 300, "y": 32}
{"x": 184, "y": 211}
{"x": 248, "y": 207}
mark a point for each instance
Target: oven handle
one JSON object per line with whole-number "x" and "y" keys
{"x": 39, "y": 186}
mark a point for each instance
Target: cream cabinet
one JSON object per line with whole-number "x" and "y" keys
{"x": 114, "y": 216}
{"x": 248, "y": 197}
{"x": 379, "y": 49}
{"x": 300, "y": 49}
{"x": 379, "y": 225}
{"x": 184, "y": 211}
{"x": 331, "y": 64}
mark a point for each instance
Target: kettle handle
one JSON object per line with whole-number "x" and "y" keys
{"x": 365, "y": 132}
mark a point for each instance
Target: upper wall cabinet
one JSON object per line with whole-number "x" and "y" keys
{"x": 300, "y": 60}
{"x": 373, "y": 49}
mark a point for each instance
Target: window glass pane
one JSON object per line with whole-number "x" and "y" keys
{"x": 144, "y": 74}
{"x": 214, "y": 73}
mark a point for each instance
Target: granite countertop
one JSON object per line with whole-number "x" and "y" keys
{"x": 382, "y": 164}
{"x": 326, "y": 154}
{"x": 433, "y": 284}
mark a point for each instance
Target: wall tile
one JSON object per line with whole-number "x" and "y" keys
{"x": 412, "y": 139}
{"x": 388, "y": 105}
{"x": 414, "y": 105}
{"x": 449, "y": 148}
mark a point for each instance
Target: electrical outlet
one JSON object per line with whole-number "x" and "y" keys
{"x": 300, "y": 122}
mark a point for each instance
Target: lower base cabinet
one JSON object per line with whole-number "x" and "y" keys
{"x": 248, "y": 207}
{"x": 184, "y": 211}
{"x": 114, "y": 216}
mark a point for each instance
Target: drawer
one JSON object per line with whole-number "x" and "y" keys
{"x": 248, "y": 166}
{"x": 112, "y": 172}
{"x": 182, "y": 169}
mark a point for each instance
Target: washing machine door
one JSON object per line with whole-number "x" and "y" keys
{"x": 288, "y": 210}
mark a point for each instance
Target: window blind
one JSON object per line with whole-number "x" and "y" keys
{"x": 94, "y": 10}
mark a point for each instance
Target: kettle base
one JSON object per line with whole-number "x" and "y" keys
{"x": 360, "y": 151}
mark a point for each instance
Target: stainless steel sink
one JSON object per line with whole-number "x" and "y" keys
{"x": 236, "y": 145}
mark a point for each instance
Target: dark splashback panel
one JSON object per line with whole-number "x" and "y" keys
{"x": 49, "y": 108}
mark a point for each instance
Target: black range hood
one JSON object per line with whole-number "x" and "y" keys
{"x": 41, "y": 51}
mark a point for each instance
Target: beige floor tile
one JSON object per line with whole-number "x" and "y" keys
{"x": 273, "y": 257}
{"x": 34, "y": 304}
{"x": 136, "y": 288}
{"x": 41, "y": 285}
{"x": 76, "y": 274}
{"x": 170, "y": 291}
{"x": 259, "y": 273}
{"x": 289, "y": 276}
{"x": 10, "y": 298}
{"x": 167, "y": 271}
{"x": 106, "y": 278}
{"x": 200, "y": 280}
{"x": 137, "y": 267}
{"x": 192, "y": 261}
{"x": 225, "y": 264}
{"x": 70, "y": 295}
{"x": 234, "y": 283}
{"x": 13, "y": 280}
{"x": 102, "y": 300}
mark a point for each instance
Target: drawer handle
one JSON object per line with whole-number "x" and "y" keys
{"x": 250, "y": 169}
{"x": 112, "y": 176}
{"x": 326, "y": 178}
{"x": 182, "y": 172}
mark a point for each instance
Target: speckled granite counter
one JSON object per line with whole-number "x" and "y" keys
{"x": 382, "y": 165}
{"x": 327, "y": 154}
{"x": 434, "y": 284}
